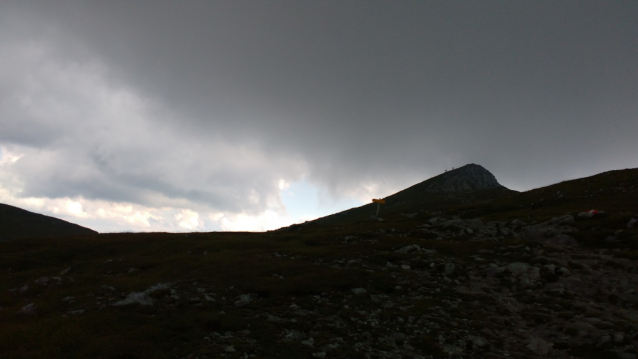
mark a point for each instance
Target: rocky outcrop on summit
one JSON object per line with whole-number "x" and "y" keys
{"x": 467, "y": 178}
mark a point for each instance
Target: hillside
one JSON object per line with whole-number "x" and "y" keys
{"x": 466, "y": 184}
{"x": 18, "y": 223}
{"x": 473, "y": 273}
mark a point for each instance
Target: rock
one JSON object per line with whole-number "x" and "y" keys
{"x": 603, "y": 340}
{"x": 65, "y": 272}
{"x": 539, "y": 346}
{"x": 42, "y": 280}
{"x": 28, "y": 309}
{"x": 488, "y": 332}
{"x": 517, "y": 268}
{"x": 359, "y": 291}
{"x": 75, "y": 312}
{"x": 591, "y": 213}
{"x": 626, "y": 355}
{"x": 405, "y": 249}
{"x": 142, "y": 298}
{"x": 230, "y": 349}
{"x": 243, "y": 300}
{"x": 631, "y": 223}
{"x": 619, "y": 337}
{"x": 555, "y": 287}
{"x": 452, "y": 350}
{"x": 564, "y": 271}
{"x": 24, "y": 288}
{"x": 319, "y": 355}
{"x": 310, "y": 342}
{"x": 407, "y": 267}
{"x": 563, "y": 239}
{"x": 517, "y": 223}
{"x": 449, "y": 268}
{"x": 478, "y": 341}
{"x": 567, "y": 219}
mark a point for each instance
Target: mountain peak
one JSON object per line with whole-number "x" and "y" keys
{"x": 467, "y": 178}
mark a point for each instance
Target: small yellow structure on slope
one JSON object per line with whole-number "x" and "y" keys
{"x": 378, "y": 202}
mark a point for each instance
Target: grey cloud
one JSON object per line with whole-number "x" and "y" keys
{"x": 347, "y": 92}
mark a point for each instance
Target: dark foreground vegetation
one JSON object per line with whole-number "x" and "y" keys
{"x": 476, "y": 275}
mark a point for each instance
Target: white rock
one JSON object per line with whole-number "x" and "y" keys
{"x": 309, "y": 342}
{"x": 65, "y": 272}
{"x": 230, "y": 349}
{"x": 142, "y": 298}
{"x": 42, "y": 280}
{"x": 359, "y": 291}
{"x": 28, "y": 309}
{"x": 243, "y": 300}
{"x": 449, "y": 268}
{"x": 631, "y": 223}
{"x": 539, "y": 346}
{"x": 75, "y": 312}
{"x": 478, "y": 341}
{"x": 319, "y": 355}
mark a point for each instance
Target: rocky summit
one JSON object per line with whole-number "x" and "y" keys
{"x": 467, "y": 178}
{"x": 492, "y": 273}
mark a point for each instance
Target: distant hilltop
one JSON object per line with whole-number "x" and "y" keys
{"x": 463, "y": 185}
{"x": 467, "y": 178}
{"x": 18, "y": 223}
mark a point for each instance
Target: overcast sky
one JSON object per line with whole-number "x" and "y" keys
{"x": 252, "y": 115}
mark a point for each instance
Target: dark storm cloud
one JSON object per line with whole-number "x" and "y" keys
{"x": 352, "y": 93}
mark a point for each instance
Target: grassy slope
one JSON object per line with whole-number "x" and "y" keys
{"x": 238, "y": 263}
{"x": 18, "y": 223}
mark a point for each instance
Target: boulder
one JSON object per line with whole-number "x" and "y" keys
{"x": 359, "y": 291}
{"x": 28, "y": 309}
{"x": 142, "y": 298}
{"x": 517, "y": 268}
{"x": 65, "y": 272}
{"x": 244, "y": 299}
{"x": 449, "y": 268}
{"x": 407, "y": 248}
{"x": 478, "y": 341}
{"x": 539, "y": 346}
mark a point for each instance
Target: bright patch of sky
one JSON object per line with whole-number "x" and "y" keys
{"x": 304, "y": 201}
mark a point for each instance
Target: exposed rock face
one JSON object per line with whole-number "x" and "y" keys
{"x": 467, "y": 178}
